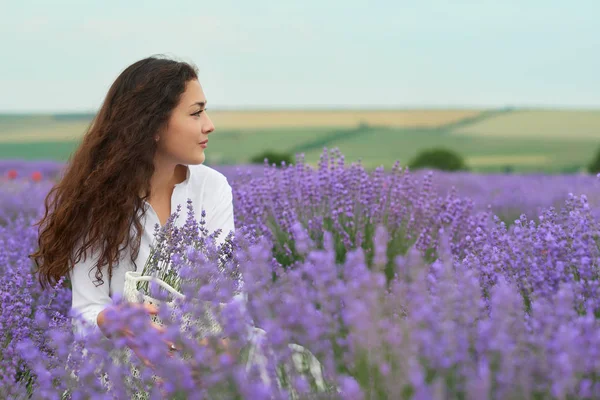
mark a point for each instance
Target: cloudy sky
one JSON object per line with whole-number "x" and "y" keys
{"x": 63, "y": 55}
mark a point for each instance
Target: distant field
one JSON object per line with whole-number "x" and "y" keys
{"x": 490, "y": 140}
{"x": 541, "y": 124}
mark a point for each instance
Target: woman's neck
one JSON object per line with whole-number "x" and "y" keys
{"x": 164, "y": 179}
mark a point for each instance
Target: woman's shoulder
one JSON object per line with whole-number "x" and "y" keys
{"x": 208, "y": 176}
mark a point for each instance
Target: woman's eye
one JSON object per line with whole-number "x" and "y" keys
{"x": 199, "y": 112}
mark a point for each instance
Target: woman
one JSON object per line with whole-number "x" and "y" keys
{"x": 140, "y": 158}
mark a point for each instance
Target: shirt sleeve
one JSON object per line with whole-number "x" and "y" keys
{"x": 87, "y": 298}
{"x": 221, "y": 215}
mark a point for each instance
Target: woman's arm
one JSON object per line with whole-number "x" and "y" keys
{"x": 221, "y": 214}
{"x": 222, "y": 217}
{"x": 88, "y": 300}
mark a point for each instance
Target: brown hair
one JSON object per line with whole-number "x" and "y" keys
{"x": 107, "y": 179}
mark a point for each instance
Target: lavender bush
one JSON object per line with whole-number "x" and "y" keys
{"x": 22, "y": 198}
{"x": 400, "y": 289}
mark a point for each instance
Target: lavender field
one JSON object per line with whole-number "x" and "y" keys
{"x": 402, "y": 284}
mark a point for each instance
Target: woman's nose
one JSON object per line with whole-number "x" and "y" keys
{"x": 208, "y": 126}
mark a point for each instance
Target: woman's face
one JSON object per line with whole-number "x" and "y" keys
{"x": 188, "y": 126}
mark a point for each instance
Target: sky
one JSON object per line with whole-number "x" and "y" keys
{"x": 62, "y": 56}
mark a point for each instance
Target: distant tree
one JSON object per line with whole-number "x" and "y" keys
{"x": 362, "y": 125}
{"x": 273, "y": 157}
{"x": 508, "y": 169}
{"x": 438, "y": 158}
{"x": 594, "y": 166}
{"x": 572, "y": 169}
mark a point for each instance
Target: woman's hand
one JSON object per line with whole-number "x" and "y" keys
{"x": 151, "y": 310}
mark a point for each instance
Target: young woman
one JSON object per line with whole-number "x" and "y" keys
{"x": 140, "y": 158}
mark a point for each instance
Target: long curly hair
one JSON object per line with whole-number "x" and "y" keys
{"x": 102, "y": 192}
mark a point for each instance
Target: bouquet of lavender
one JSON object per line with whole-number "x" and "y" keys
{"x": 174, "y": 254}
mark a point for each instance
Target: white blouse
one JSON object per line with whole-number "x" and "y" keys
{"x": 207, "y": 188}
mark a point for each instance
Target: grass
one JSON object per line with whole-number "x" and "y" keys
{"x": 52, "y": 150}
{"x": 508, "y": 159}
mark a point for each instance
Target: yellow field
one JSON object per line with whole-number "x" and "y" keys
{"x": 60, "y": 131}
{"x": 506, "y": 159}
{"x": 543, "y": 124}
{"x": 342, "y": 118}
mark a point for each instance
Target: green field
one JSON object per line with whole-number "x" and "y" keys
{"x": 490, "y": 140}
